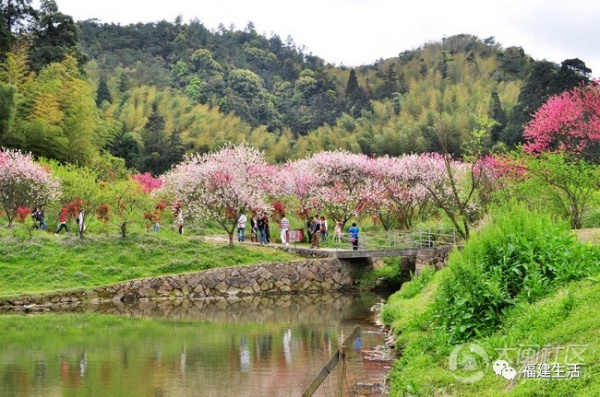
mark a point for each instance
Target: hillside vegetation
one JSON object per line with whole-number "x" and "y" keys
{"x": 522, "y": 290}
{"x": 148, "y": 93}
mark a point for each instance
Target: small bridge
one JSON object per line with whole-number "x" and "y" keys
{"x": 391, "y": 243}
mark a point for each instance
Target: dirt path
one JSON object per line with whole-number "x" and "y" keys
{"x": 589, "y": 235}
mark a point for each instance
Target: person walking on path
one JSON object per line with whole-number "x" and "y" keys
{"x": 62, "y": 222}
{"x": 285, "y": 226}
{"x": 354, "y": 236}
{"x": 309, "y": 227}
{"x": 267, "y": 231}
{"x": 241, "y": 231}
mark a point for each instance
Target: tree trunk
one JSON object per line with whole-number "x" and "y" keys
{"x": 230, "y": 238}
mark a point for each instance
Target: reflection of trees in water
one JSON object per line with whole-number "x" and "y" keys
{"x": 239, "y": 347}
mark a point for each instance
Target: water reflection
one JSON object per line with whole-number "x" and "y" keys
{"x": 251, "y": 347}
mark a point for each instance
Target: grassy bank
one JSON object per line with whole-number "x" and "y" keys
{"x": 46, "y": 262}
{"x": 523, "y": 287}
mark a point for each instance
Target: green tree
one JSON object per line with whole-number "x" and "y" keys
{"x": 567, "y": 183}
{"x": 176, "y": 149}
{"x": 127, "y": 147}
{"x": 15, "y": 16}
{"x": 55, "y": 37}
{"x": 7, "y": 112}
{"x": 155, "y": 145}
{"x": 103, "y": 93}
{"x": 497, "y": 113}
{"x": 537, "y": 88}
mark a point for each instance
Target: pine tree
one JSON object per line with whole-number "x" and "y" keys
{"x": 102, "y": 93}
{"x": 153, "y": 154}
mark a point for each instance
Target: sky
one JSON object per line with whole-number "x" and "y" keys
{"x": 360, "y": 32}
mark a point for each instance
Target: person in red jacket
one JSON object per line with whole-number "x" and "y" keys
{"x": 62, "y": 217}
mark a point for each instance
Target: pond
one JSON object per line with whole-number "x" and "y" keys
{"x": 258, "y": 346}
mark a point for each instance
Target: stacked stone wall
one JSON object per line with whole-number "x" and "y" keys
{"x": 307, "y": 276}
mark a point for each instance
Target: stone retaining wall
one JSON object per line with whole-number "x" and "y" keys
{"x": 437, "y": 258}
{"x": 306, "y": 276}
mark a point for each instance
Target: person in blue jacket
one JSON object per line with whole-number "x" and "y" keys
{"x": 353, "y": 231}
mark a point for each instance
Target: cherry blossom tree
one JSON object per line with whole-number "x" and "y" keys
{"x": 24, "y": 183}
{"x": 569, "y": 122}
{"x": 297, "y": 183}
{"x": 404, "y": 201}
{"x": 218, "y": 186}
{"x": 147, "y": 182}
{"x": 346, "y": 185}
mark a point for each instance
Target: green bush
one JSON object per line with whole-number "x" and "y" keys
{"x": 519, "y": 256}
{"x": 418, "y": 282}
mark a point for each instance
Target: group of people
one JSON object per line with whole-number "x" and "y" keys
{"x": 317, "y": 229}
{"x": 62, "y": 221}
{"x": 259, "y": 228}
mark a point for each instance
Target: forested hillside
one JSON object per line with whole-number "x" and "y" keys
{"x": 92, "y": 93}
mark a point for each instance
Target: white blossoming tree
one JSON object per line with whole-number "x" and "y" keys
{"x": 218, "y": 186}
{"x": 24, "y": 183}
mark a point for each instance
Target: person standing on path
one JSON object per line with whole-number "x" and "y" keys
{"x": 179, "y": 220}
{"x": 324, "y": 229}
{"x": 337, "y": 232}
{"x": 285, "y": 226}
{"x": 315, "y": 231}
{"x": 81, "y": 221}
{"x": 354, "y": 236}
{"x": 260, "y": 224}
{"x": 241, "y": 231}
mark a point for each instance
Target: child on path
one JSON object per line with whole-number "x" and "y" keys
{"x": 354, "y": 236}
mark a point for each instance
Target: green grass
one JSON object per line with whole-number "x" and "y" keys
{"x": 521, "y": 282}
{"x": 47, "y": 263}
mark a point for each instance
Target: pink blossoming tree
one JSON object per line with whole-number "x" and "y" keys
{"x": 218, "y": 186}
{"x": 346, "y": 185}
{"x": 404, "y": 201}
{"x": 296, "y": 184}
{"x": 24, "y": 183}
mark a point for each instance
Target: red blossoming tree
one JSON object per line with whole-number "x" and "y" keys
{"x": 569, "y": 122}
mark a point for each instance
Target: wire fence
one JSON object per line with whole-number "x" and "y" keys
{"x": 345, "y": 375}
{"x": 421, "y": 238}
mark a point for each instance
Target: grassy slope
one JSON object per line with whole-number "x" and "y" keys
{"x": 569, "y": 316}
{"x": 49, "y": 263}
